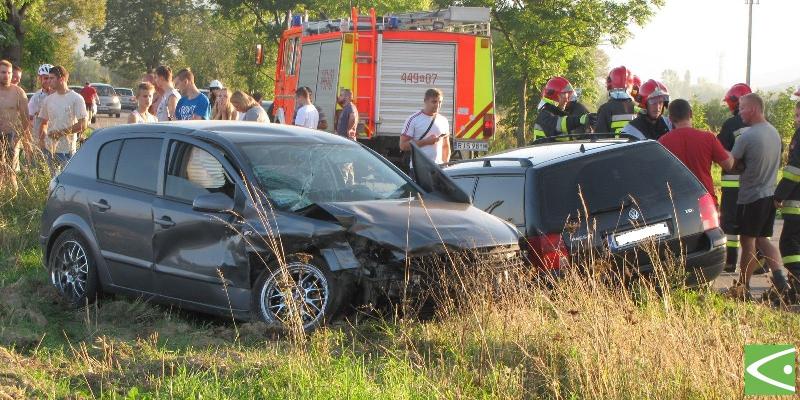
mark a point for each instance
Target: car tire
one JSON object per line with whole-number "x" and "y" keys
{"x": 73, "y": 269}
{"x": 323, "y": 293}
{"x": 117, "y": 115}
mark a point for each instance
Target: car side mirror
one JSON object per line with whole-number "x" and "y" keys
{"x": 213, "y": 202}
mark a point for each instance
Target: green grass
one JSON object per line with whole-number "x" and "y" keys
{"x": 583, "y": 339}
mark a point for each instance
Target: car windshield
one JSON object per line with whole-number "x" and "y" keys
{"x": 104, "y": 90}
{"x": 297, "y": 175}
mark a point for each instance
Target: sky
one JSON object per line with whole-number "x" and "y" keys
{"x": 693, "y": 34}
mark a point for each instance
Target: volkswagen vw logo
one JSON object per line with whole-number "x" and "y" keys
{"x": 634, "y": 214}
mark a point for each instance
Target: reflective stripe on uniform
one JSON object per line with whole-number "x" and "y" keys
{"x": 623, "y": 117}
{"x": 790, "y": 207}
{"x": 733, "y": 241}
{"x": 728, "y": 177}
{"x": 791, "y": 173}
{"x": 729, "y": 184}
{"x": 791, "y": 259}
{"x": 561, "y": 125}
{"x": 620, "y": 121}
{"x": 538, "y": 133}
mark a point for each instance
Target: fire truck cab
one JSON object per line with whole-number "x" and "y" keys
{"x": 388, "y": 63}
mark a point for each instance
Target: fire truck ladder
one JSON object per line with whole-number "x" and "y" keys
{"x": 365, "y": 69}
{"x": 471, "y": 20}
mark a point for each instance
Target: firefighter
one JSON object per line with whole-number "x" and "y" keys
{"x": 637, "y": 84}
{"x": 787, "y": 199}
{"x": 650, "y": 123}
{"x": 552, "y": 119}
{"x": 731, "y": 129}
{"x": 619, "y": 110}
{"x": 576, "y": 108}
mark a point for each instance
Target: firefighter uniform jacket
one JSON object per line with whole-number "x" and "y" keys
{"x": 614, "y": 115}
{"x": 643, "y": 128}
{"x": 553, "y": 121}
{"x": 577, "y": 109}
{"x": 788, "y": 191}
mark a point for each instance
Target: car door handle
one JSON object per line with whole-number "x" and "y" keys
{"x": 165, "y": 222}
{"x": 102, "y": 205}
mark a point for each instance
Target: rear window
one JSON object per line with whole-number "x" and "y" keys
{"x": 138, "y": 164}
{"x": 104, "y": 90}
{"x": 647, "y": 173}
{"x": 502, "y": 196}
{"x": 107, "y": 160}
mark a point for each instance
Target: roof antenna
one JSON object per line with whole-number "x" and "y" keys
{"x": 582, "y": 149}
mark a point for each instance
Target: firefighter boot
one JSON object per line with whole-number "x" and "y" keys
{"x": 731, "y": 253}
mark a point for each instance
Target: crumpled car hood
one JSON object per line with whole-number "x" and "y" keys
{"x": 415, "y": 226}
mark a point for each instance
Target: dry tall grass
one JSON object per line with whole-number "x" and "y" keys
{"x": 496, "y": 335}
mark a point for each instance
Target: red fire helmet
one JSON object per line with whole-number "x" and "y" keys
{"x": 651, "y": 89}
{"x": 734, "y": 94}
{"x": 619, "y": 78}
{"x": 555, "y": 86}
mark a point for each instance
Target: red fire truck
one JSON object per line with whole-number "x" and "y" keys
{"x": 389, "y": 63}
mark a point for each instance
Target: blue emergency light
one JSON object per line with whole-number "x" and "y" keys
{"x": 297, "y": 20}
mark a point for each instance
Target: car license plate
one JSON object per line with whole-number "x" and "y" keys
{"x": 471, "y": 145}
{"x": 637, "y": 235}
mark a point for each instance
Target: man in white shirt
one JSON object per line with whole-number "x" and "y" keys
{"x": 63, "y": 115}
{"x": 307, "y": 115}
{"x": 35, "y": 103}
{"x": 428, "y": 129}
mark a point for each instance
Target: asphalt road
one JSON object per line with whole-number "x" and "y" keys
{"x": 104, "y": 121}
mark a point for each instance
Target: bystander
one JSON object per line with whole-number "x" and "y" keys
{"x": 248, "y": 107}
{"x": 758, "y": 155}
{"x": 347, "y": 122}
{"x": 306, "y": 114}
{"x": 13, "y": 122}
{"x": 64, "y": 117}
{"x": 165, "y": 110}
{"x": 144, "y": 98}
{"x": 192, "y": 104}
{"x": 695, "y": 148}
{"x": 429, "y": 130}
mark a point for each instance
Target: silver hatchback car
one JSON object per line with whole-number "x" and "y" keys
{"x": 109, "y": 100}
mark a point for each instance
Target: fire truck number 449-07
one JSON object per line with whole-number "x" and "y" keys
{"x": 388, "y": 63}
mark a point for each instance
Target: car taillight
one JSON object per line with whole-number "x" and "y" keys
{"x": 547, "y": 251}
{"x": 488, "y": 126}
{"x": 708, "y": 212}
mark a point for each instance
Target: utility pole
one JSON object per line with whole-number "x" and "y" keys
{"x": 750, "y": 35}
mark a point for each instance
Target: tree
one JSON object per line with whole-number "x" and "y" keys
{"x": 217, "y": 48}
{"x": 33, "y": 32}
{"x": 270, "y": 17}
{"x": 546, "y": 38}
{"x": 139, "y": 35}
{"x": 251, "y": 22}
{"x": 779, "y": 110}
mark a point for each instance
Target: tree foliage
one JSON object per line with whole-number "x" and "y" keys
{"x": 218, "y": 48}
{"x": 546, "y": 38}
{"x": 33, "y": 32}
{"x": 139, "y": 35}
